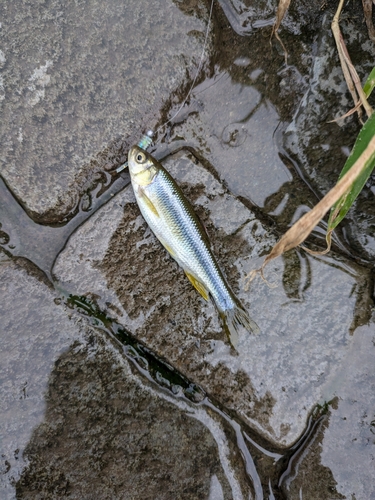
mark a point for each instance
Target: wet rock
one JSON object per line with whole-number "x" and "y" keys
{"x": 303, "y": 352}
{"x": 339, "y": 462}
{"x": 79, "y": 83}
{"x": 307, "y": 476}
{"x": 236, "y": 136}
{"x": 243, "y": 16}
{"x": 275, "y": 378}
{"x": 348, "y": 447}
{"x": 104, "y": 435}
{"x": 39, "y": 243}
{"x": 319, "y": 146}
{"x": 247, "y": 16}
{"x": 32, "y": 337}
{"x": 76, "y": 421}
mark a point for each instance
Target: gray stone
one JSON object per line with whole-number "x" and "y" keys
{"x": 320, "y": 145}
{"x": 237, "y": 127}
{"x": 339, "y": 462}
{"x": 39, "y": 243}
{"x": 248, "y": 16}
{"x": 77, "y": 421}
{"x": 275, "y": 378}
{"x": 306, "y": 476}
{"x": 348, "y": 447}
{"x": 243, "y": 16}
{"x": 32, "y": 340}
{"x": 72, "y": 120}
{"x": 80, "y": 82}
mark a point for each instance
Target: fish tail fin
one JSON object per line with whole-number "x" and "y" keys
{"x": 236, "y": 320}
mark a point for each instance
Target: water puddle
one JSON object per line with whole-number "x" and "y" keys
{"x": 20, "y": 236}
{"x": 267, "y": 467}
{"x": 250, "y": 149}
{"x": 236, "y": 137}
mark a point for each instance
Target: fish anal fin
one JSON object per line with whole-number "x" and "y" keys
{"x": 197, "y": 285}
{"x": 147, "y": 201}
{"x": 168, "y": 248}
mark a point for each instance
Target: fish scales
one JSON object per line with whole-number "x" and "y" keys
{"x": 174, "y": 222}
{"x": 184, "y": 234}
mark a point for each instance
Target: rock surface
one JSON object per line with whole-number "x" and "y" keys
{"x": 80, "y": 82}
{"x": 76, "y": 421}
{"x": 339, "y": 462}
{"x": 275, "y": 378}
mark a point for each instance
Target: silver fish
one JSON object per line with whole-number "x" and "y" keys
{"x": 177, "y": 227}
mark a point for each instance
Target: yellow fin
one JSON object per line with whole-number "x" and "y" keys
{"x": 197, "y": 285}
{"x": 148, "y": 202}
{"x": 168, "y": 248}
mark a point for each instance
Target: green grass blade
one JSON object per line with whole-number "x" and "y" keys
{"x": 341, "y": 207}
{"x": 370, "y": 83}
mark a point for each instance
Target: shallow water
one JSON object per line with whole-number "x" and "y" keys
{"x": 273, "y": 420}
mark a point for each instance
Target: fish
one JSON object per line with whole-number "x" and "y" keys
{"x": 173, "y": 221}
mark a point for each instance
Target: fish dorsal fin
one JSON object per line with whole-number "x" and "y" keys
{"x": 197, "y": 285}
{"x": 147, "y": 201}
{"x": 205, "y": 233}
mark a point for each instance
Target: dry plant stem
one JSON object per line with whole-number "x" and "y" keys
{"x": 328, "y": 238}
{"x": 355, "y": 78}
{"x": 349, "y": 113}
{"x": 367, "y": 10}
{"x": 351, "y": 76}
{"x": 338, "y": 38}
{"x": 303, "y": 227}
{"x": 281, "y": 10}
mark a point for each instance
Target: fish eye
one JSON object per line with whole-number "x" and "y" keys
{"x": 141, "y": 157}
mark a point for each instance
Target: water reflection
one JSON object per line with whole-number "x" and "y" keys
{"x": 245, "y": 18}
{"x": 297, "y": 276}
{"x": 238, "y": 127}
{"x": 20, "y": 236}
{"x": 107, "y": 434}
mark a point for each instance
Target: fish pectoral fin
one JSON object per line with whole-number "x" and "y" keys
{"x": 147, "y": 200}
{"x": 197, "y": 285}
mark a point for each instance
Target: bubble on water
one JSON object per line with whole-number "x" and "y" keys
{"x": 234, "y": 134}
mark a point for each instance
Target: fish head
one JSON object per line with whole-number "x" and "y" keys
{"x": 142, "y": 166}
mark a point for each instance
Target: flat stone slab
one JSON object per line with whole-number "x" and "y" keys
{"x": 338, "y": 462}
{"x": 76, "y": 414}
{"x": 276, "y": 377}
{"x": 79, "y": 83}
{"x": 348, "y": 446}
{"x": 32, "y": 340}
